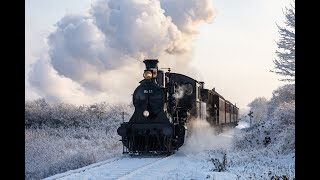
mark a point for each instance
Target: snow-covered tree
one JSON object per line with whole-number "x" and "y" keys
{"x": 281, "y": 95}
{"x": 259, "y": 108}
{"x": 285, "y": 63}
{"x": 285, "y": 113}
{"x": 281, "y": 118}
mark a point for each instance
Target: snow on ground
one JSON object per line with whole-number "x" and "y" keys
{"x": 242, "y": 125}
{"x": 199, "y": 158}
{"x": 178, "y": 166}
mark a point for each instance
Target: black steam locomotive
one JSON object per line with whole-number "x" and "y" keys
{"x": 164, "y": 104}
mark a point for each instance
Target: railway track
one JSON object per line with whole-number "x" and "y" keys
{"x": 122, "y": 167}
{"x": 135, "y": 167}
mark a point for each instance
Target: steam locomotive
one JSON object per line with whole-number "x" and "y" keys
{"x": 165, "y": 103}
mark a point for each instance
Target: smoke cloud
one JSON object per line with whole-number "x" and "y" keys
{"x": 97, "y": 56}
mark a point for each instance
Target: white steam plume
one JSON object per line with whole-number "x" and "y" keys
{"x": 98, "y": 56}
{"x": 202, "y": 137}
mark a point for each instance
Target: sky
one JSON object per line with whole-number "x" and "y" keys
{"x": 232, "y": 53}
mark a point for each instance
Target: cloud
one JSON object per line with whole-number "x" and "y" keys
{"x": 98, "y": 56}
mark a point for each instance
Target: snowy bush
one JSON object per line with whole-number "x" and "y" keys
{"x": 39, "y": 112}
{"x": 219, "y": 166}
{"x": 282, "y": 127}
{"x": 276, "y": 132}
{"x": 259, "y": 108}
{"x": 36, "y": 112}
{"x": 250, "y": 163}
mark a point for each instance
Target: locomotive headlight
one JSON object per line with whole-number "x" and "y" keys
{"x": 145, "y": 113}
{"x": 147, "y": 74}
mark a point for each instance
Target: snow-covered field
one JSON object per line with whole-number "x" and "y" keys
{"x": 194, "y": 163}
{"x": 62, "y": 137}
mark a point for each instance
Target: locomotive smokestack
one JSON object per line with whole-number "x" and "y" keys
{"x": 151, "y": 71}
{"x": 151, "y": 63}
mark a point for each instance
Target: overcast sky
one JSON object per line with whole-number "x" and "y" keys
{"x": 233, "y": 53}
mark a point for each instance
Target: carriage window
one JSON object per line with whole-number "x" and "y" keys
{"x": 188, "y": 89}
